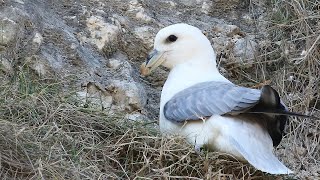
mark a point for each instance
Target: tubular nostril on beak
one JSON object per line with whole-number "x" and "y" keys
{"x": 150, "y": 55}
{"x": 154, "y": 59}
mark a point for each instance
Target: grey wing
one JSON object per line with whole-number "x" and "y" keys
{"x": 210, "y": 98}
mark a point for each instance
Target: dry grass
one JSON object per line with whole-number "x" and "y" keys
{"x": 290, "y": 60}
{"x": 45, "y": 135}
{"x": 298, "y": 30}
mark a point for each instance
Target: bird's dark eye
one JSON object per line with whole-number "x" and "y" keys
{"x": 172, "y": 38}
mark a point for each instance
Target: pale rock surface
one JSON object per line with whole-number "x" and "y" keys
{"x": 140, "y": 14}
{"x": 39, "y": 65}
{"x": 100, "y": 44}
{"x": 145, "y": 34}
{"x": 189, "y": 2}
{"x": 136, "y": 117}
{"x": 244, "y": 49}
{"x": 94, "y": 97}
{"x": 100, "y": 31}
{"x": 6, "y": 66}
{"x": 8, "y": 31}
{"x": 230, "y": 40}
{"x": 114, "y": 63}
{"x": 127, "y": 95}
{"x": 37, "y": 39}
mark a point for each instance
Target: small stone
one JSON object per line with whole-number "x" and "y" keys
{"x": 244, "y": 48}
{"x": 135, "y": 6}
{"x": 38, "y": 65}
{"x": 301, "y": 151}
{"x": 94, "y": 97}
{"x": 173, "y": 4}
{"x": 128, "y": 95}
{"x": 19, "y": 1}
{"x": 37, "y": 40}
{"x": 143, "y": 16}
{"x": 205, "y": 8}
{"x": 145, "y": 34}
{"x": 6, "y": 66}
{"x": 8, "y": 31}
{"x": 120, "y": 62}
{"x": 114, "y": 63}
{"x": 190, "y": 2}
{"x": 121, "y": 19}
{"x": 228, "y": 30}
{"x": 247, "y": 18}
{"x": 101, "y": 32}
{"x": 135, "y": 117}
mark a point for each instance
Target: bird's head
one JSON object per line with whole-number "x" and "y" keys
{"x": 177, "y": 44}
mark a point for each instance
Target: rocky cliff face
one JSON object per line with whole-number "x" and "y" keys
{"x": 95, "y": 47}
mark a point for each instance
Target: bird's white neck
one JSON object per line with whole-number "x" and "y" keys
{"x": 187, "y": 74}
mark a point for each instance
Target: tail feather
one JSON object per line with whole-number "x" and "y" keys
{"x": 270, "y": 103}
{"x": 274, "y": 113}
{"x": 263, "y": 160}
{"x": 254, "y": 143}
{"x": 280, "y": 112}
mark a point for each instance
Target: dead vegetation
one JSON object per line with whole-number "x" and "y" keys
{"x": 45, "y": 135}
{"x": 290, "y": 60}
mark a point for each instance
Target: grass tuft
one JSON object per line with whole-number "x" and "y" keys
{"x": 43, "y": 136}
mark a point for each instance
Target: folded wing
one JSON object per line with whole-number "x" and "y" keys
{"x": 210, "y": 98}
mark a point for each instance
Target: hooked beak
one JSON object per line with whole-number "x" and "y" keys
{"x": 154, "y": 59}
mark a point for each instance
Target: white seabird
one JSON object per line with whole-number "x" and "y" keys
{"x": 200, "y": 104}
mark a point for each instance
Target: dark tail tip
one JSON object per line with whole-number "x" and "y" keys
{"x": 269, "y": 97}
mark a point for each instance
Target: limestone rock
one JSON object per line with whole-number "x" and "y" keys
{"x": 145, "y": 34}
{"x": 135, "y": 117}
{"x": 120, "y": 67}
{"x": 114, "y": 63}
{"x": 37, "y": 40}
{"x": 206, "y": 6}
{"x": 94, "y": 97}
{"x": 190, "y": 2}
{"x": 100, "y": 31}
{"x": 102, "y": 43}
{"x": 229, "y": 40}
{"x": 140, "y": 14}
{"x": 39, "y": 65}
{"x": 8, "y": 31}
{"x": 244, "y": 48}
{"x": 6, "y": 66}
{"x": 127, "y": 95}
{"x": 227, "y": 29}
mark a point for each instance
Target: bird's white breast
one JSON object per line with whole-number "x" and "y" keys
{"x": 180, "y": 78}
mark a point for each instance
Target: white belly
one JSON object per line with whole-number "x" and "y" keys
{"x": 218, "y": 133}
